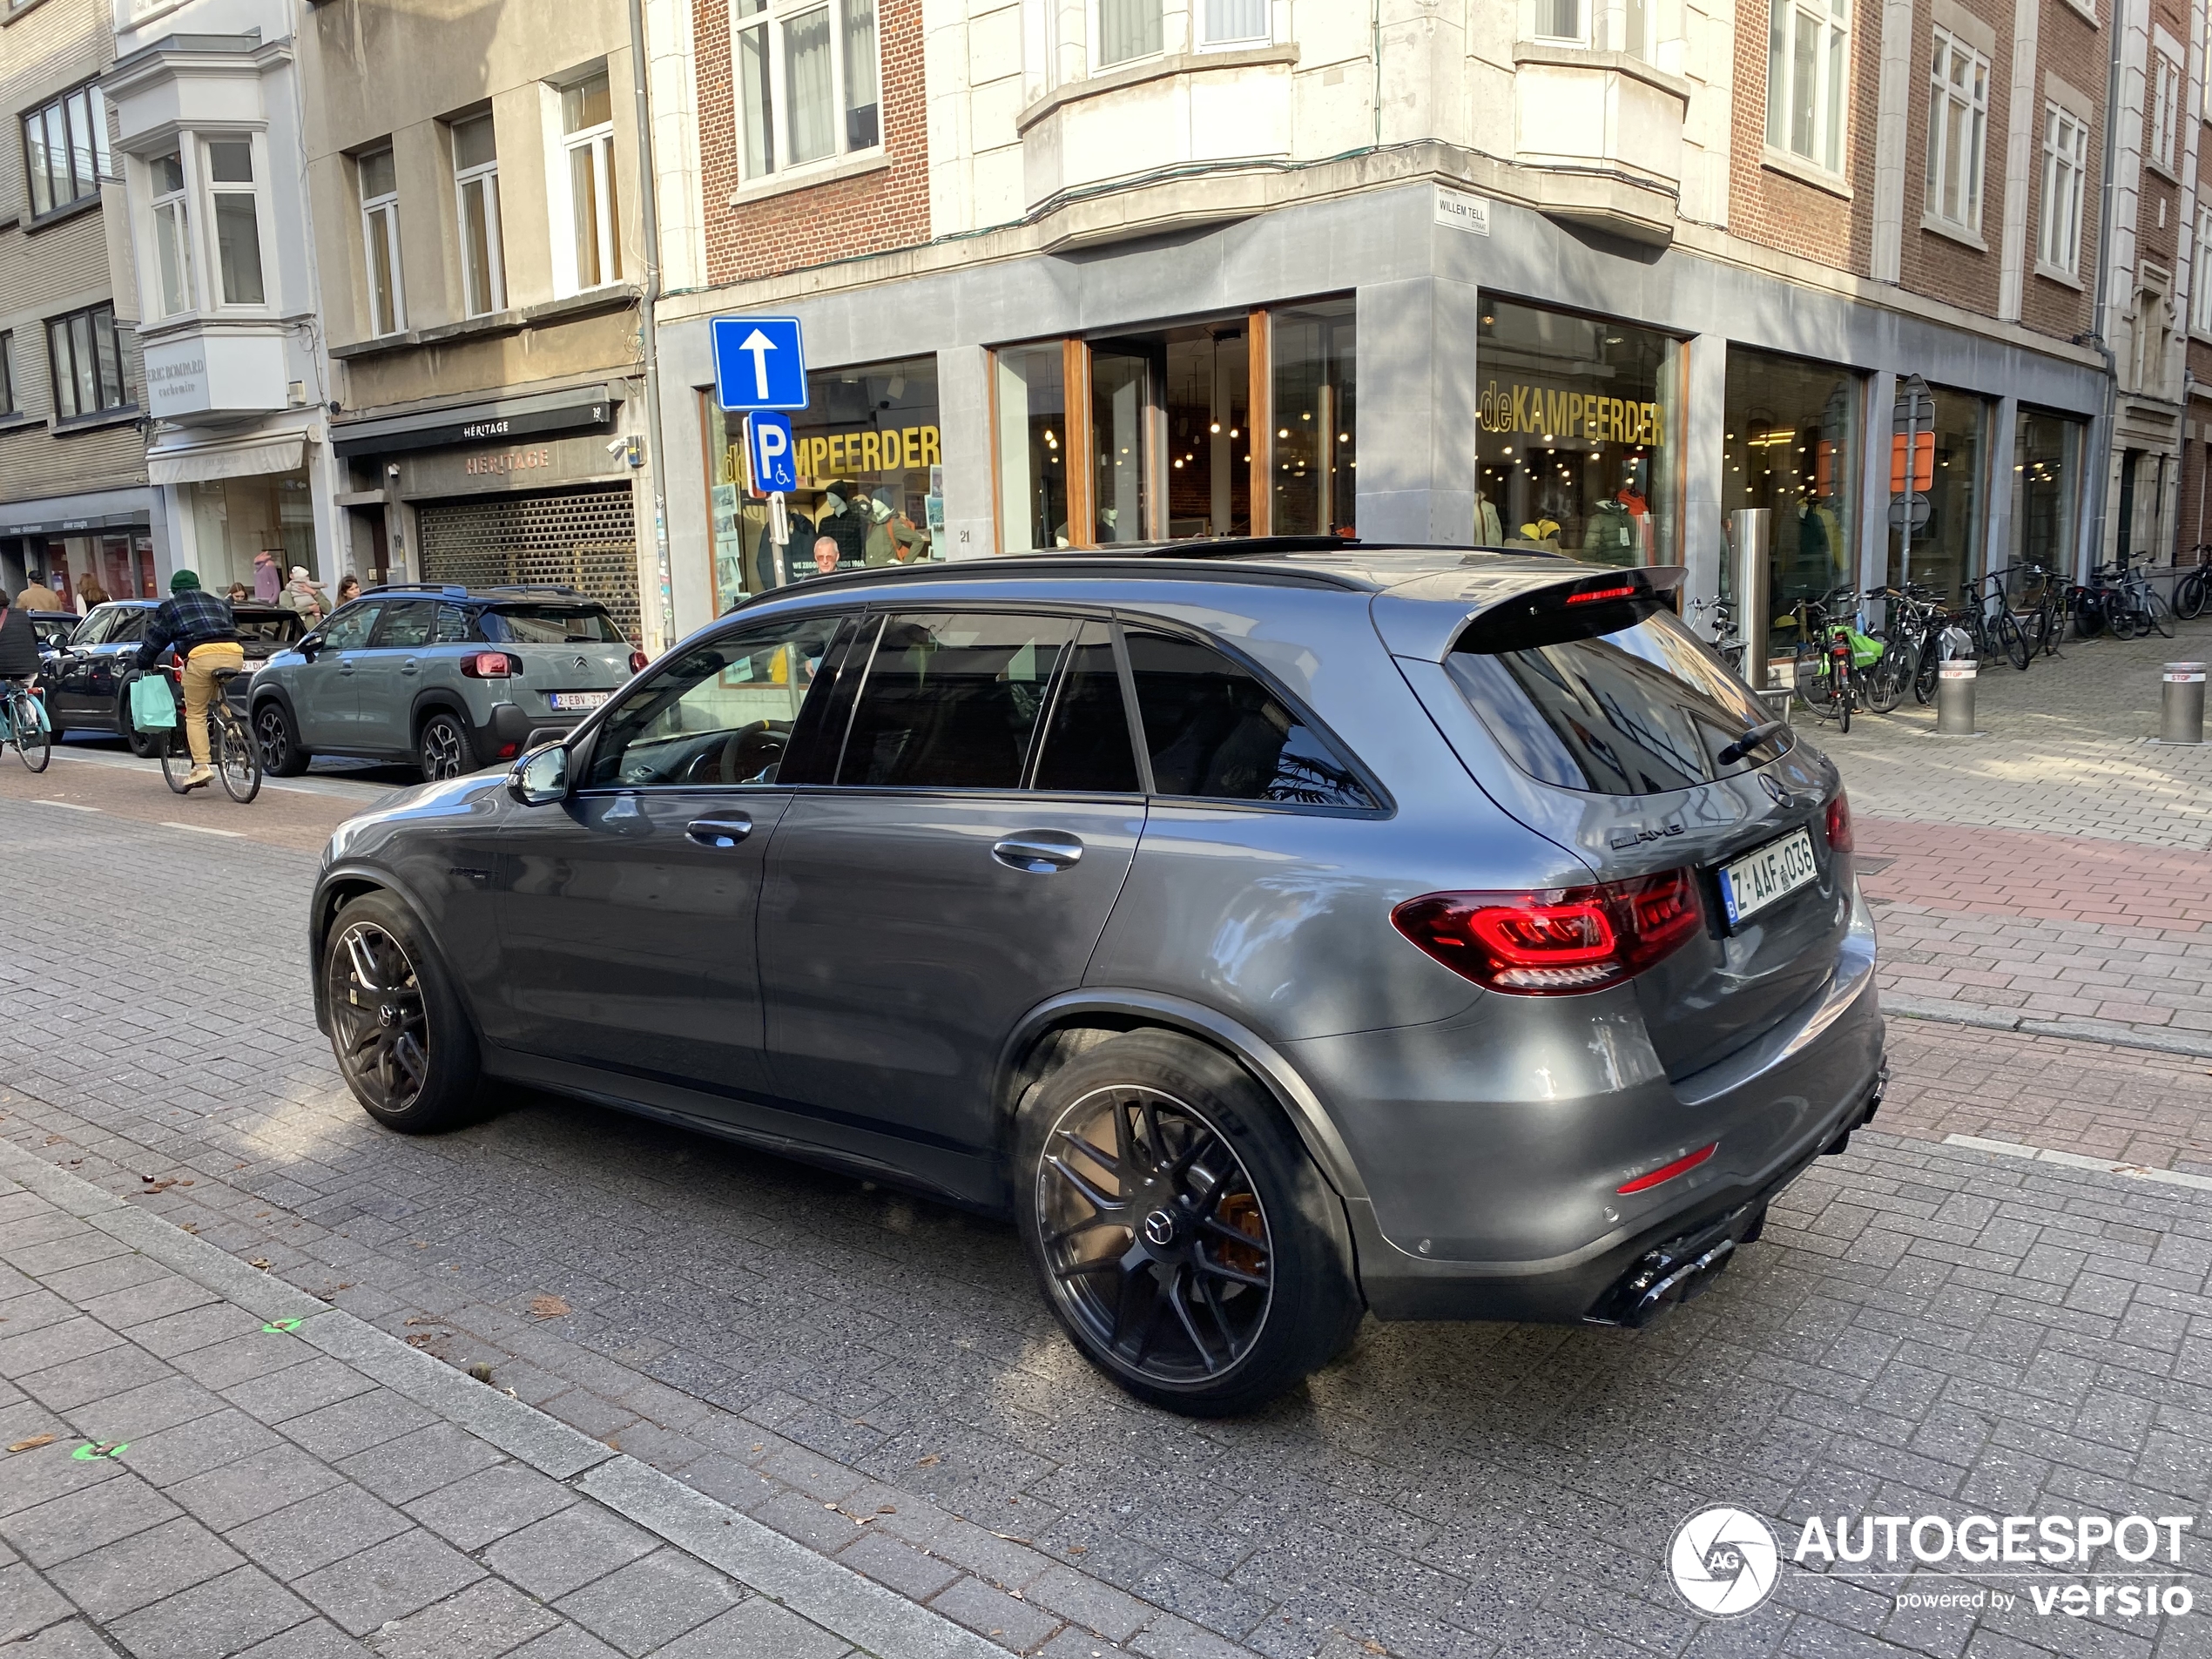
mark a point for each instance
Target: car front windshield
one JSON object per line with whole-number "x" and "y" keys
{"x": 551, "y": 625}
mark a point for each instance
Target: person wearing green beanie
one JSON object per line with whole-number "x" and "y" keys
{"x": 182, "y": 580}
{"x": 199, "y": 628}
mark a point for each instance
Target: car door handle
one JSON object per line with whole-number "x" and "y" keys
{"x": 408, "y": 667}
{"x": 1038, "y": 851}
{"x": 719, "y": 833}
{"x": 345, "y": 668}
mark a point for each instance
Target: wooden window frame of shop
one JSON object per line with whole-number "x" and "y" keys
{"x": 1081, "y": 441}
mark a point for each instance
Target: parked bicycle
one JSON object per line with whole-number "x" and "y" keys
{"x": 2189, "y": 592}
{"x": 1724, "y": 637}
{"x": 1991, "y": 624}
{"x": 27, "y": 727}
{"x": 2132, "y": 606}
{"x": 1827, "y": 657}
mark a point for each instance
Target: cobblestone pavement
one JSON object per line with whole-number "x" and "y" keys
{"x": 1925, "y": 1330}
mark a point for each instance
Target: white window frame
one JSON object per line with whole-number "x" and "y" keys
{"x": 2065, "y": 159}
{"x": 1949, "y": 52}
{"x": 1099, "y": 62}
{"x": 2165, "y": 112}
{"x": 770, "y": 22}
{"x": 485, "y": 176}
{"x": 1205, "y": 40}
{"x": 597, "y": 141}
{"x": 203, "y": 201}
{"x": 1830, "y": 23}
{"x": 2201, "y": 276}
{"x": 386, "y": 207}
{"x": 171, "y": 222}
{"x": 1546, "y": 12}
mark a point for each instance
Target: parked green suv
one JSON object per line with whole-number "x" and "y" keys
{"x": 447, "y": 678}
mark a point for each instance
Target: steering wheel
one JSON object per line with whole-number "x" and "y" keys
{"x": 724, "y": 762}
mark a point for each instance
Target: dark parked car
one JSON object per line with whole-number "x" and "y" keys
{"x": 1273, "y": 929}
{"x": 86, "y": 678}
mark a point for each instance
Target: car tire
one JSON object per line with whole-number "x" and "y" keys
{"x": 402, "y": 1041}
{"x": 1140, "y": 1243}
{"x": 273, "y": 728}
{"x": 443, "y": 748}
{"x": 146, "y": 747}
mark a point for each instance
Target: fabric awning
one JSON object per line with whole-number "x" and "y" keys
{"x": 205, "y": 464}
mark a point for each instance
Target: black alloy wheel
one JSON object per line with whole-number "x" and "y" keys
{"x": 282, "y": 755}
{"x": 443, "y": 751}
{"x": 404, "y": 1044}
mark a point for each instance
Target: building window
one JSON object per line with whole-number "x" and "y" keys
{"x": 87, "y": 354}
{"x": 1315, "y": 405}
{"x": 588, "y": 137}
{"x": 1958, "y": 131}
{"x": 476, "y": 182}
{"x": 807, "y": 82}
{"x": 1559, "y": 20}
{"x": 2201, "y": 276}
{"x": 171, "y": 233}
{"x": 1808, "y": 64}
{"x": 380, "y": 240}
{"x": 1233, "y": 23}
{"x": 238, "y": 226}
{"x": 2165, "y": 110}
{"x": 1128, "y": 30}
{"x": 2065, "y": 149}
{"x": 64, "y": 149}
{"x": 2047, "y": 451}
{"x": 1942, "y": 546}
{"x": 1789, "y": 445}
{"x": 7, "y": 372}
{"x": 1577, "y": 427}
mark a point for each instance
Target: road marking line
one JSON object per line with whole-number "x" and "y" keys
{"x": 202, "y": 829}
{"x": 66, "y": 806}
{"x": 2076, "y": 1161}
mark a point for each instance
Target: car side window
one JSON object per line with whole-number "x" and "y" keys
{"x": 349, "y": 627}
{"x": 953, "y": 701}
{"x": 406, "y": 625}
{"x": 94, "y": 629}
{"x": 721, "y": 713}
{"x": 454, "y": 627}
{"x": 127, "y": 626}
{"x": 1087, "y": 747}
{"x": 1213, "y": 730}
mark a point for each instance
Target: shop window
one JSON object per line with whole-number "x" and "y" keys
{"x": 1314, "y": 403}
{"x": 1206, "y": 379}
{"x": 1808, "y": 68}
{"x": 171, "y": 233}
{"x": 87, "y": 354}
{"x": 237, "y": 228}
{"x": 1233, "y": 23}
{"x": 1121, "y": 401}
{"x": 235, "y": 518}
{"x": 1578, "y": 427}
{"x": 1034, "y": 442}
{"x": 2066, "y": 151}
{"x": 869, "y": 453}
{"x": 2046, "y": 462}
{"x": 808, "y": 82}
{"x": 1126, "y": 31}
{"x": 1958, "y": 131}
{"x": 476, "y": 186}
{"x": 379, "y": 188}
{"x": 588, "y": 143}
{"x": 64, "y": 150}
{"x": 1789, "y": 447}
{"x": 1941, "y": 546}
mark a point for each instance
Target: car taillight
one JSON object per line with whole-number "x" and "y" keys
{"x": 1839, "y": 836}
{"x": 1667, "y": 1172}
{"x": 637, "y": 662}
{"x": 1557, "y": 942}
{"x": 489, "y": 665}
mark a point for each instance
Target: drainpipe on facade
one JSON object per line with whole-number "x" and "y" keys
{"x": 647, "y": 335}
{"x": 2086, "y": 557}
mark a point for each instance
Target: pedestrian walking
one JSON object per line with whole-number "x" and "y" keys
{"x": 90, "y": 593}
{"x": 197, "y": 626}
{"x": 39, "y": 596}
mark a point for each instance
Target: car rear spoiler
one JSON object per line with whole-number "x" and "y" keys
{"x": 1425, "y": 618}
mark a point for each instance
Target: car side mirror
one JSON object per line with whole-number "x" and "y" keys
{"x": 308, "y": 645}
{"x": 541, "y": 777}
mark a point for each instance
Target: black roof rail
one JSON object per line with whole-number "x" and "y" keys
{"x": 535, "y": 587}
{"x": 443, "y": 590}
{"x": 1209, "y": 547}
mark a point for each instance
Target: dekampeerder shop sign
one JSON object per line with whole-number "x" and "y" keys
{"x": 1556, "y": 412}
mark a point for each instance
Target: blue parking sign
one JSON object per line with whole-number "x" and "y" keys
{"x": 767, "y": 448}
{"x": 758, "y": 363}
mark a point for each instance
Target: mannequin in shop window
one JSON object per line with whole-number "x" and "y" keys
{"x": 1619, "y": 526}
{"x": 1490, "y": 529}
{"x": 880, "y": 547}
{"x": 845, "y": 521}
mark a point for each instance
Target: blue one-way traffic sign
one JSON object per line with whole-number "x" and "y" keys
{"x": 758, "y": 363}
{"x": 767, "y": 444}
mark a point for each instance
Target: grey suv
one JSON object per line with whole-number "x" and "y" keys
{"x": 1273, "y": 930}
{"x": 447, "y": 678}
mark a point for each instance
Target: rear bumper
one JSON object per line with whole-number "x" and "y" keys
{"x": 1506, "y": 1207}
{"x": 511, "y": 723}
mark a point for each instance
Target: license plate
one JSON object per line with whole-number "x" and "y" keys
{"x": 565, "y": 700}
{"x": 1749, "y": 884}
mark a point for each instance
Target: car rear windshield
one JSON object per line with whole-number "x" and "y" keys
{"x": 551, "y": 625}
{"x": 267, "y": 627}
{"x": 1621, "y": 699}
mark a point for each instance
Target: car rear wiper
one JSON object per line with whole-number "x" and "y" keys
{"x": 1751, "y": 740}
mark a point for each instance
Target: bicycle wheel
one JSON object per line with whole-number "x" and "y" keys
{"x": 2120, "y": 619}
{"x": 175, "y": 758}
{"x": 2011, "y": 640}
{"x": 2158, "y": 614}
{"x": 1843, "y": 702}
{"x": 2189, "y": 597}
{"x": 2036, "y": 625}
{"x": 1926, "y": 663}
{"x": 33, "y": 743}
{"x": 1886, "y": 680}
{"x": 238, "y": 758}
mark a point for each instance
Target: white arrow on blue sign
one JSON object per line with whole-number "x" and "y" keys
{"x": 759, "y": 363}
{"x": 767, "y": 439}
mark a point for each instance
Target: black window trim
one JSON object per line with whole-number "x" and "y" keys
{"x": 107, "y": 412}
{"x": 376, "y": 640}
{"x": 34, "y": 219}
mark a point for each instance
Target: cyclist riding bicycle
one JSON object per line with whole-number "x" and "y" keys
{"x": 199, "y": 627}
{"x": 19, "y": 661}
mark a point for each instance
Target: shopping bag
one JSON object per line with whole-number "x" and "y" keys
{"x": 153, "y": 706}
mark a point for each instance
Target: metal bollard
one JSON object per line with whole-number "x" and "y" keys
{"x": 1955, "y": 697}
{"x": 2181, "y": 708}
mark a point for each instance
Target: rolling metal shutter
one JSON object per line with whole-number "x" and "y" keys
{"x": 586, "y": 538}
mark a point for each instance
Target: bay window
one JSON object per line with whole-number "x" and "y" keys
{"x": 475, "y": 183}
{"x": 1808, "y": 69}
{"x": 238, "y": 226}
{"x": 809, "y": 87}
{"x": 172, "y": 235}
{"x": 1958, "y": 131}
{"x": 587, "y": 138}
{"x": 1233, "y": 23}
{"x": 380, "y": 189}
{"x": 64, "y": 149}
{"x": 1127, "y": 30}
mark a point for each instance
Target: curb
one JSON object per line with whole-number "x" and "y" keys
{"x": 2076, "y": 1161}
{"x": 2112, "y": 1035}
{"x": 854, "y": 1608}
